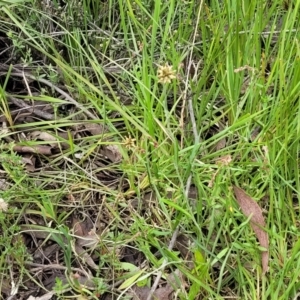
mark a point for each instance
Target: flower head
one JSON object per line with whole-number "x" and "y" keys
{"x": 3, "y": 205}
{"x": 129, "y": 142}
{"x": 165, "y": 74}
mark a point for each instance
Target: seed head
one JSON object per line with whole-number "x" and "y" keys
{"x": 3, "y": 205}
{"x": 129, "y": 142}
{"x": 165, "y": 74}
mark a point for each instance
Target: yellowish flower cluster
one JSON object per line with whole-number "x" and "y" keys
{"x": 3, "y": 205}
{"x": 166, "y": 74}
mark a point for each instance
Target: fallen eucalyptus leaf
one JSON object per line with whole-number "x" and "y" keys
{"x": 250, "y": 208}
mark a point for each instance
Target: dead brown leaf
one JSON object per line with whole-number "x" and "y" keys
{"x": 29, "y": 161}
{"x": 86, "y": 258}
{"x": 95, "y": 129}
{"x": 174, "y": 281}
{"x": 52, "y": 139}
{"x": 44, "y": 150}
{"x": 46, "y": 296}
{"x": 43, "y": 136}
{"x": 78, "y": 227}
{"x": 91, "y": 240}
{"x": 85, "y": 238}
{"x": 163, "y": 293}
{"x": 250, "y": 208}
{"x": 112, "y": 152}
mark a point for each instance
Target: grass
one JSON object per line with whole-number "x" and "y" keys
{"x": 167, "y": 206}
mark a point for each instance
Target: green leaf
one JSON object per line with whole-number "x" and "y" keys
{"x": 194, "y": 290}
{"x": 128, "y": 267}
{"x": 130, "y": 281}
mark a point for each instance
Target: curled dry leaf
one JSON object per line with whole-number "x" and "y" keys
{"x": 250, "y": 208}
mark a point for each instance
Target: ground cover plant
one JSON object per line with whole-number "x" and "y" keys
{"x": 149, "y": 149}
